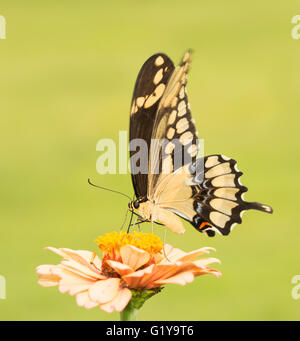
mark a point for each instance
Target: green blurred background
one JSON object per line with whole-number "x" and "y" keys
{"x": 67, "y": 73}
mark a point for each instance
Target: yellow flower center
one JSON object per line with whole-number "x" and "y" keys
{"x": 112, "y": 242}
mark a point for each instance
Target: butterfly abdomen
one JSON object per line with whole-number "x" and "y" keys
{"x": 169, "y": 219}
{"x": 151, "y": 212}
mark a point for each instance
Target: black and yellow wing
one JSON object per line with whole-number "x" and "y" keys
{"x": 205, "y": 191}
{"x": 219, "y": 199}
{"x": 149, "y": 88}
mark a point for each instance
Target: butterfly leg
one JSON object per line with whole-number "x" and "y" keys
{"x": 128, "y": 228}
{"x": 135, "y": 223}
{"x": 124, "y": 220}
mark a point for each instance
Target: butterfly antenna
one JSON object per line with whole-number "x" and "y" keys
{"x": 107, "y": 189}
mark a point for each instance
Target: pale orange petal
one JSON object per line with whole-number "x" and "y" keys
{"x": 133, "y": 280}
{"x": 122, "y": 269}
{"x": 81, "y": 257}
{"x": 46, "y": 276}
{"x": 194, "y": 254}
{"x": 105, "y": 290}
{"x": 67, "y": 281}
{"x": 157, "y": 272}
{"x": 134, "y": 257}
{"x": 181, "y": 279}
{"x": 71, "y": 282}
{"x": 75, "y": 288}
{"x": 211, "y": 271}
{"x": 162, "y": 272}
{"x": 190, "y": 266}
{"x": 85, "y": 255}
{"x": 82, "y": 270}
{"x": 83, "y": 300}
{"x": 206, "y": 261}
{"x": 172, "y": 269}
{"x": 158, "y": 257}
{"x": 171, "y": 254}
{"x": 57, "y": 251}
{"x": 119, "y": 302}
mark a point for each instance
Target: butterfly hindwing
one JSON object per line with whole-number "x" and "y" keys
{"x": 219, "y": 202}
{"x": 149, "y": 88}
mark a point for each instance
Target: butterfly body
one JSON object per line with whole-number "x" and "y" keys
{"x": 206, "y": 191}
{"x": 149, "y": 211}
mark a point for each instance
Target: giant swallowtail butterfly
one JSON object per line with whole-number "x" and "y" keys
{"x": 206, "y": 191}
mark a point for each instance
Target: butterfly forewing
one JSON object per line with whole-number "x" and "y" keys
{"x": 174, "y": 137}
{"x": 149, "y": 88}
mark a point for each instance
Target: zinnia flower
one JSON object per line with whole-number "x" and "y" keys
{"x": 134, "y": 267}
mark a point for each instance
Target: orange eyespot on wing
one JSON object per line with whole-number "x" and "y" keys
{"x": 203, "y": 225}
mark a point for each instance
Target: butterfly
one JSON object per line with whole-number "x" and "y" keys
{"x": 204, "y": 191}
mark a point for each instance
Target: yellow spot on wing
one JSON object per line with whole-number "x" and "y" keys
{"x": 170, "y": 133}
{"x": 159, "y": 61}
{"x": 181, "y": 108}
{"x": 172, "y": 117}
{"x": 224, "y": 181}
{"x": 169, "y": 148}
{"x": 174, "y": 102}
{"x": 227, "y": 193}
{"x": 186, "y": 138}
{"x": 192, "y": 150}
{"x": 155, "y": 96}
{"x": 140, "y": 101}
{"x": 158, "y": 77}
{"x": 223, "y": 205}
{"x": 182, "y": 125}
{"x": 134, "y": 108}
{"x": 218, "y": 219}
{"x": 211, "y": 161}
{"x": 222, "y": 168}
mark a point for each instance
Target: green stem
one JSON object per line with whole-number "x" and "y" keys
{"x": 139, "y": 296}
{"x": 130, "y": 313}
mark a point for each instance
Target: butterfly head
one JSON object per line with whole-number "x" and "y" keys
{"x": 134, "y": 205}
{"x": 143, "y": 206}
